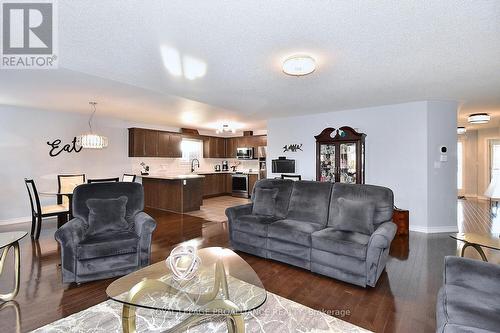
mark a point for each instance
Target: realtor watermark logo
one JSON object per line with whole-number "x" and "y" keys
{"x": 29, "y": 34}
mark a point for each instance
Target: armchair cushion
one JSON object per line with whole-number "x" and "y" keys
{"x": 298, "y": 232}
{"x": 264, "y": 201}
{"x": 354, "y": 216}
{"x": 107, "y": 244}
{"x": 106, "y": 215}
{"x": 352, "y": 244}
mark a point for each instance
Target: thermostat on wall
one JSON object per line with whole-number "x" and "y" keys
{"x": 444, "y": 154}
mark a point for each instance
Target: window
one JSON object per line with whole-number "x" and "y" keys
{"x": 495, "y": 158}
{"x": 191, "y": 149}
{"x": 460, "y": 158}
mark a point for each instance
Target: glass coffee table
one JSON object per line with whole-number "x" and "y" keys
{"x": 223, "y": 286}
{"x": 477, "y": 241}
{"x": 11, "y": 240}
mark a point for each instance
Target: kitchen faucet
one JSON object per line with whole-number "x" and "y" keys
{"x": 192, "y": 164}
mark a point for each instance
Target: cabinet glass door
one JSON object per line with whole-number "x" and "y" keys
{"x": 347, "y": 167}
{"x": 327, "y": 163}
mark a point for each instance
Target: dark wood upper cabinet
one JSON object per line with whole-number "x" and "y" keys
{"x": 231, "y": 145}
{"x": 153, "y": 143}
{"x": 169, "y": 145}
{"x": 340, "y": 156}
{"x": 136, "y": 142}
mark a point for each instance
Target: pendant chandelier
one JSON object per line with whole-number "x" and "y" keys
{"x": 224, "y": 128}
{"x": 92, "y": 140}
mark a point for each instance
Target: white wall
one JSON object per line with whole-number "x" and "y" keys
{"x": 442, "y": 176}
{"x": 396, "y": 151}
{"x": 24, "y": 153}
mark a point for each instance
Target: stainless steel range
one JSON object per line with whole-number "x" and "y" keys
{"x": 240, "y": 185}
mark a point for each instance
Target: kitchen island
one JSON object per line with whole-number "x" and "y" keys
{"x": 179, "y": 193}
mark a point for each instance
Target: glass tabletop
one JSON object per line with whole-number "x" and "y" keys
{"x": 7, "y": 238}
{"x": 486, "y": 240}
{"x": 154, "y": 287}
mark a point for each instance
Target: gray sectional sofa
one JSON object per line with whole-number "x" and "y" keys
{"x": 468, "y": 300}
{"x": 339, "y": 230}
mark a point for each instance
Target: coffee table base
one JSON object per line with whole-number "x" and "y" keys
{"x": 17, "y": 268}
{"x": 213, "y": 307}
{"x": 476, "y": 247}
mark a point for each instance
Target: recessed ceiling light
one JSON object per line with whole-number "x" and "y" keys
{"x": 298, "y": 65}
{"x": 461, "y": 130}
{"x": 479, "y": 118}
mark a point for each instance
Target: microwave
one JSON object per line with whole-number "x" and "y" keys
{"x": 244, "y": 153}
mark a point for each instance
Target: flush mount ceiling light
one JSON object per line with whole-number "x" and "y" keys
{"x": 92, "y": 140}
{"x": 479, "y": 118}
{"x": 225, "y": 129}
{"x": 298, "y": 65}
{"x": 461, "y": 130}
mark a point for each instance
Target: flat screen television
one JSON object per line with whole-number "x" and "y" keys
{"x": 283, "y": 166}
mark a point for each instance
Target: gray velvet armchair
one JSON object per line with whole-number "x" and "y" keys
{"x": 87, "y": 255}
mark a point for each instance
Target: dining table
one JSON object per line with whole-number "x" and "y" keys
{"x": 59, "y": 194}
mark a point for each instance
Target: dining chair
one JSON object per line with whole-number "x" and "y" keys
{"x": 103, "y": 180}
{"x": 66, "y": 184}
{"x": 292, "y": 177}
{"x": 128, "y": 178}
{"x": 38, "y": 212}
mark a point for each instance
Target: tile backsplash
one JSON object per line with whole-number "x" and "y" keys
{"x": 177, "y": 166}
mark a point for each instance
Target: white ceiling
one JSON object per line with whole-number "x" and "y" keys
{"x": 368, "y": 53}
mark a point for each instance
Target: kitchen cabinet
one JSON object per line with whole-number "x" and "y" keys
{"x": 231, "y": 146}
{"x": 152, "y": 143}
{"x": 252, "y": 179}
{"x": 177, "y": 195}
{"x": 136, "y": 142}
{"x": 216, "y": 184}
{"x": 214, "y": 147}
{"x": 169, "y": 145}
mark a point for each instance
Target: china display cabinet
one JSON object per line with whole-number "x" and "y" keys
{"x": 340, "y": 156}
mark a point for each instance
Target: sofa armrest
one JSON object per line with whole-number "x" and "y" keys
{"x": 69, "y": 236}
{"x": 471, "y": 273}
{"x": 383, "y": 236}
{"x": 234, "y": 212}
{"x": 143, "y": 224}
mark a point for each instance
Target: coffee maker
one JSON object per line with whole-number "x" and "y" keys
{"x": 225, "y": 166}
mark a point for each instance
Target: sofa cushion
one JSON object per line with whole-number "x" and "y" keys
{"x": 352, "y": 244}
{"x": 381, "y": 196}
{"x": 282, "y": 199}
{"x": 469, "y": 307}
{"x": 107, "y": 215}
{"x": 293, "y": 231}
{"x": 355, "y": 216}
{"x": 254, "y": 224}
{"x": 264, "y": 201}
{"x": 309, "y": 202}
{"x": 107, "y": 244}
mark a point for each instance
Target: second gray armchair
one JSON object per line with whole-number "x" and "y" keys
{"x": 110, "y": 234}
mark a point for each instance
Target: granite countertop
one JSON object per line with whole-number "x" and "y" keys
{"x": 230, "y": 172}
{"x": 172, "y": 177}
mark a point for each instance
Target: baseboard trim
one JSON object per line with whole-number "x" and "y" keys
{"x": 16, "y": 220}
{"x": 19, "y": 220}
{"x": 434, "y": 230}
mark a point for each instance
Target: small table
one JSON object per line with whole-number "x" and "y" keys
{"x": 224, "y": 286}
{"x": 11, "y": 240}
{"x": 477, "y": 241}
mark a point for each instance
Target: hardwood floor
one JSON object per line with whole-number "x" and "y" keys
{"x": 403, "y": 301}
